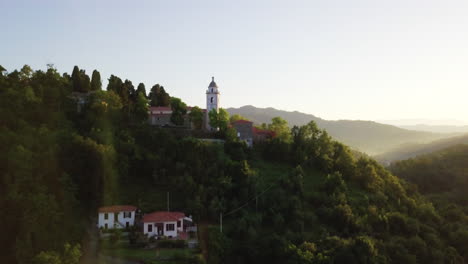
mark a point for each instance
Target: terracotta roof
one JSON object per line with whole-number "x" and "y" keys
{"x": 162, "y": 216}
{"x": 242, "y": 122}
{"x": 117, "y": 208}
{"x": 258, "y": 131}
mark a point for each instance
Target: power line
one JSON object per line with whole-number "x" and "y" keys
{"x": 253, "y": 198}
{"x": 242, "y": 206}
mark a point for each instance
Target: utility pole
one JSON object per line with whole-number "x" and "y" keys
{"x": 221, "y": 222}
{"x": 167, "y": 198}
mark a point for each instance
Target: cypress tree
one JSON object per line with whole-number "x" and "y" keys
{"x": 141, "y": 89}
{"x": 96, "y": 83}
{"x": 76, "y": 79}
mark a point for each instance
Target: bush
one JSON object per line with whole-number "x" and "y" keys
{"x": 172, "y": 243}
{"x": 138, "y": 239}
{"x": 115, "y": 236}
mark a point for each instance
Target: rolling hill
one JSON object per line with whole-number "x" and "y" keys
{"x": 443, "y": 173}
{"x": 437, "y": 129}
{"x": 413, "y": 150}
{"x": 367, "y": 136}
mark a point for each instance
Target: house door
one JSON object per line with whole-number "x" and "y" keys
{"x": 160, "y": 228}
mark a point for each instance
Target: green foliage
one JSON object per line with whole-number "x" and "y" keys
{"x": 115, "y": 235}
{"x": 219, "y": 119}
{"x": 236, "y": 117}
{"x": 158, "y": 96}
{"x": 96, "y": 82}
{"x": 80, "y": 80}
{"x": 140, "y": 109}
{"x": 70, "y": 255}
{"x": 442, "y": 171}
{"x": 141, "y": 89}
{"x": 307, "y": 199}
{"x": 166, "y": 243}
{"x": 196, "y": 117}
{"x": 217, "y": 244}
{"x": 179, "y": 110}
{"x": 281, "y": 129}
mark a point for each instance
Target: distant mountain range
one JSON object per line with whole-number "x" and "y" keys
{"x": 437, "y": 128}
{"x": 413, "y": 150}
{"x": 367, "y": 136}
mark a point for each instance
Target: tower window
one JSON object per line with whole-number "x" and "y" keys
{"x": 211, "y": 99}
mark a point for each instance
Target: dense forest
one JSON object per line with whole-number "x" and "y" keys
{"x": 68, "y": 146}
{"x": 441, "y": 175}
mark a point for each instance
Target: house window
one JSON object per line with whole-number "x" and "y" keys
{"x": 170, "y": 227}
{"x": 127, "y": 225}
{"x": 127, "y": 214}
{"x": 116, "y": 219}
{"x": 106, "y": 216}
{"x": 179, "y": 223}
{"x": 150, "y": 228}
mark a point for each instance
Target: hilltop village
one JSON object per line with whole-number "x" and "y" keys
{"x": 163, "y": 116}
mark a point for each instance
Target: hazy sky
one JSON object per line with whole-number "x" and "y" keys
{"x": 376, "y": 60}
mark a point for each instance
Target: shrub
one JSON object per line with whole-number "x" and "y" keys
{"x": 172, "y": 243}
{"x": 115, "y": 236}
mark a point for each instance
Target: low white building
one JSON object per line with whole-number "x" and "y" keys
{"x": 168, "y": 224}
{"x": 116, "y": 216}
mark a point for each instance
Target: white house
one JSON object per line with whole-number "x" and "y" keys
{"x": 116, "y": 216}
{"x": 168, "y": 224}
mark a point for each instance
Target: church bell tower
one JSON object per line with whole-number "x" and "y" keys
{"x": 212, "y": 100}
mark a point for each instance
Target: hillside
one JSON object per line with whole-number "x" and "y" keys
{"x": 442, "y": 174}
{"x": 367, "y": 136}
{"x": 304, "y": 200}
{"x": 413, "y": 150}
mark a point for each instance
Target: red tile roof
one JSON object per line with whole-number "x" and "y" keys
{"x": 265, "y": 132}
{"x": 242, "y": 122}
{"x": 159, "y": 217}
{"x": 117, "y": 208}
